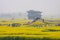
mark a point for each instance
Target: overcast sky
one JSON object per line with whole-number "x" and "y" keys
{"x": 49, "y": 8}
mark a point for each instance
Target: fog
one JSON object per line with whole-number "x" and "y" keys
{"x": 49, "y": 8}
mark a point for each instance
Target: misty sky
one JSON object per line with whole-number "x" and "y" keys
{"x": 49, "y": 8}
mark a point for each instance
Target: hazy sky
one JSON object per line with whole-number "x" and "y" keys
{"x": 49, "y": 8}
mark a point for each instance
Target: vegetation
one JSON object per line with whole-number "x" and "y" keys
{"x": 25, "y": 38}
{"x": 20, "y": 30}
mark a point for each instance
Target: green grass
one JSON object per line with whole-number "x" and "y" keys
{"x": 25, "y": 38}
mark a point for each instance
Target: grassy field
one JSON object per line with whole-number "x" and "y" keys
{"x": 29, "y": 32}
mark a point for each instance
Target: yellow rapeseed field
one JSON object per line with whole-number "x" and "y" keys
{"x": 29, "y": 30}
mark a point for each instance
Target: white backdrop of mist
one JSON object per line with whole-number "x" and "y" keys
{"x": 49, "y": 8}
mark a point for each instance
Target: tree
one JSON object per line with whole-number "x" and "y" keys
{"x": 33, "y": 14}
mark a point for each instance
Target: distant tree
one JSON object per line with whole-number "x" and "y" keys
{"x": 33, "y": 14}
